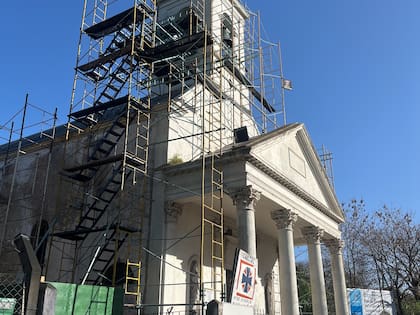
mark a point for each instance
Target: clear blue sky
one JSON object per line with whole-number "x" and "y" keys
{"x": 355, "y": 66}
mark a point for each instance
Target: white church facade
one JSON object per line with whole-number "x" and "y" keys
{"x": 277, "y": 197}
{"x": 196, "y": 147}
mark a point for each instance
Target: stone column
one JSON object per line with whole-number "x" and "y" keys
{"x": 335, "y": 247}
{"x": 154, "y": 232}
{"x": 284, "y": 220}
{"x": 313, "y": 236}
{"x": 245, "y": 199}
{"x": 172, "y": 212}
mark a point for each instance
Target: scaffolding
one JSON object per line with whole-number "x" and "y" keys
{"x": 110, "y": 107}
{"x": 41, "y": 126}
{"x": 326, "y": 157}
{"x": 203, "y": 67}
{"x": 206, "y": 69}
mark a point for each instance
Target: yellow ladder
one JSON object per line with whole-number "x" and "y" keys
{"x": 212, "y": 282}
{"x": 212, "y": 248}
{"x": 131, "y": 281}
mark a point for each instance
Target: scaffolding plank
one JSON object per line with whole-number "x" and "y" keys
{"x": 80, "y": 234}
{"x": 105, "y": 58}
{"x": 113, "y": 23}
{"x": 140, "y": 105}
{"x": 80, "y": 177}
{"x": 109, "y": 160}
{"x": 179, "y": 46}
{"x": 94, "y": 109}
{"x": 135, "y": 161}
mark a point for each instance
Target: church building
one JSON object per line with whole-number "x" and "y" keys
{"x": 175, "y": 156}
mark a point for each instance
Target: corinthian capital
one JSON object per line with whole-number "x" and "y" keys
{"x": 284, "y": 218}
{"x": 245, "y": 195}
{"x": 312, "y": 234}
{"x": 173, "y": 210}
{"x": 335, "y": 245}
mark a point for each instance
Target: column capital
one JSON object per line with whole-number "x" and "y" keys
{"x": 335, "y": 245}
{"x": 312, "y": 234}
{"x": 284, "y": 218}
{"x": 245, "y": 195}
{"x": 173, "y": 210}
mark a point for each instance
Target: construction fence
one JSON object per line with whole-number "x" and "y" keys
{"x": 11, "y": 294}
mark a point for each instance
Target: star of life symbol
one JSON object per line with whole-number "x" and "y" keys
{"x": 244, "y": 283}
{"x": 247, "y": 278}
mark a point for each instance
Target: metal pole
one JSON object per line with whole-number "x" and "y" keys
{"x": 44, "y": 193}
{"x": 91, "y": 264}
{"x": 8, "y": 145}
{"x": 9, "y": 202}
{"x": 283, "y": 104}
{"x": 76, "y": 74}
{"x": 203, "y": 169}
{"x": 262, "y": 88}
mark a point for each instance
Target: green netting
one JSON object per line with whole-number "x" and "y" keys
{"x": 83, "y": 299}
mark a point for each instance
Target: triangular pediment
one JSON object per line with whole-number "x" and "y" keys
{"x": 290, "y": 155}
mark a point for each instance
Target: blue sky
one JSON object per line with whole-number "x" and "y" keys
{"x": 355, "y": 67}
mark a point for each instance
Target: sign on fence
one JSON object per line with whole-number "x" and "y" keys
{"x": 370, "y": 302}
{"x": 7, "y": 306}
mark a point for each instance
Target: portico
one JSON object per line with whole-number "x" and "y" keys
{"x": 278, "y": 197}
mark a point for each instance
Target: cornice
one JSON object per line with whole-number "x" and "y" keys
{"x": 234, "y": 155}
{"x": 241, "y": 9}
{"x": 242, "y": 154}
{"x": 315, "y": 165}
{"x": 293, "y": 188}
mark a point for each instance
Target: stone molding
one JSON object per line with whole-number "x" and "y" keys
{"x": 246, "y": 196}
{"x": 335, "y": 245}
{"x": 284, "y": 218}
{"x": 294, "y": 188}
{"x": 173, "y": 210}
{"x": 313, "y": 234}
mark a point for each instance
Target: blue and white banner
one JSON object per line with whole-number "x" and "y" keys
{"x": 356, "y": 302}
{"x": 370, "y": 302}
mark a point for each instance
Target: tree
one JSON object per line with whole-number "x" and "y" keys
{"x": 304, "y": 286}
{"x": 393, "y": 244}
{"x": 383, "y": 251}
{"x": 357, "y": 269}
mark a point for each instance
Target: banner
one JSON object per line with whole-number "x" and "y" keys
{"x": 243, "y": 289}
{"x": 370, "y": 302}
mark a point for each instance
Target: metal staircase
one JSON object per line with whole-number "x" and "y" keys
{"x": 111, "y": 106}
{"x": 106, "y": 256}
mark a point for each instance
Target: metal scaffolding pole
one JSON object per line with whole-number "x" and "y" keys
{"x": 8, "y": 145}
{"x": 283, "y": 103}
{"x": 10, "y": 199}
{"x": 44, "y": 192}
